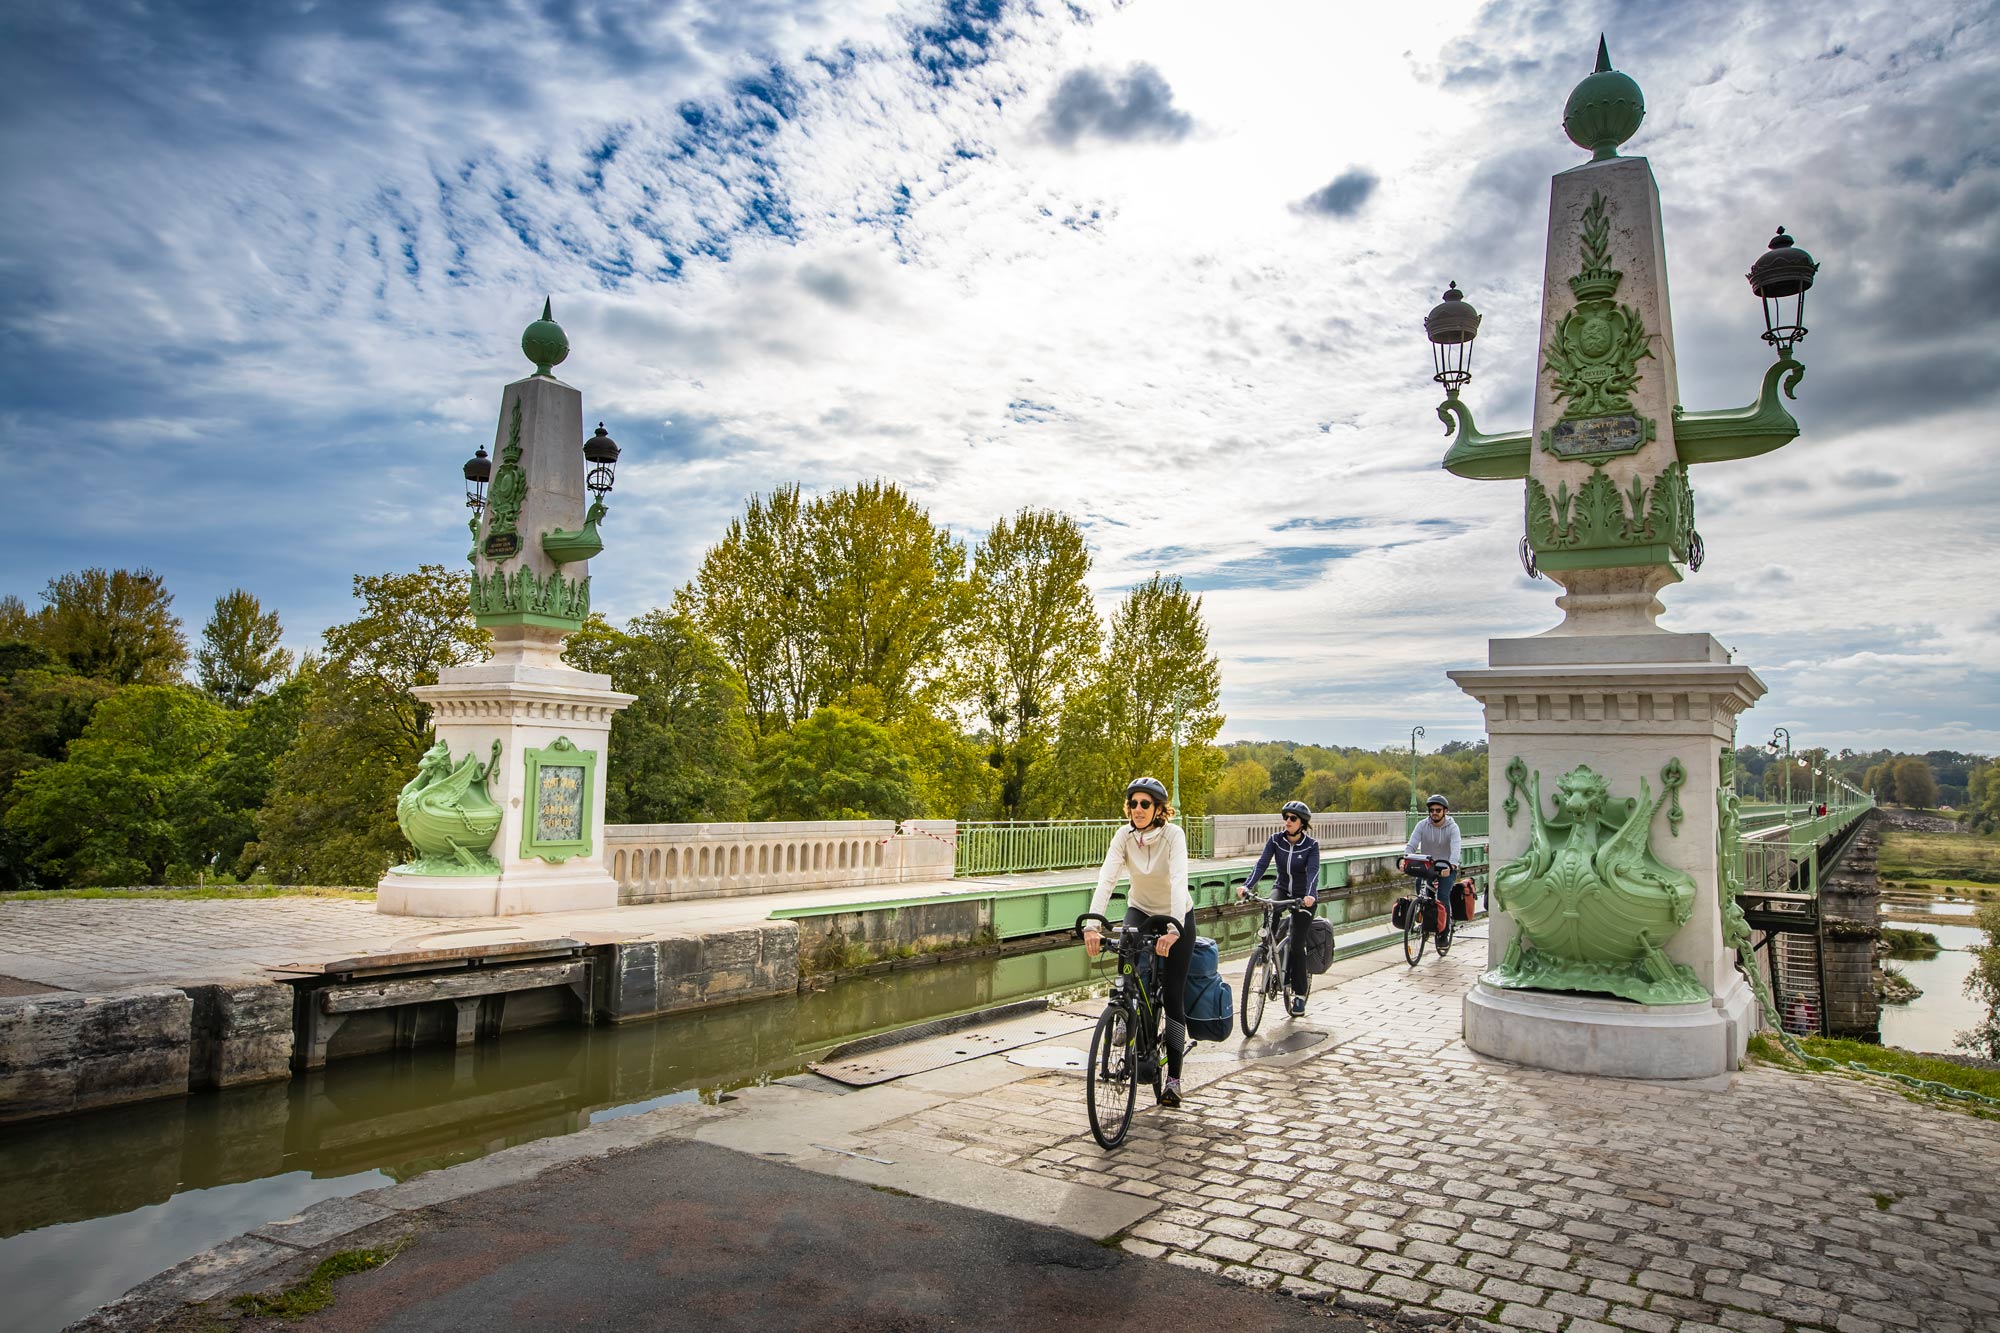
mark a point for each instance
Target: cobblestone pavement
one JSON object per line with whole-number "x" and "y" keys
{"x": 1397, "y": 1170}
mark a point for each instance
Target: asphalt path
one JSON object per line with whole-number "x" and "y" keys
{"x": 685, "y": 1235}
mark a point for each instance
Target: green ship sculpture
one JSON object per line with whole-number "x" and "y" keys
{"x": 1591, "y": 903}
{"x": 447, "y": 816}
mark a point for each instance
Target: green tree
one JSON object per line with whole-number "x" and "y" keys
{"x": 331, "y": 814}
{"x": 43, "y": 707}
{"x": 892, "y": 592}
{"x": 116, "y": 625}
{"x": 680, "y": 752}
{"x": 756, "y": 597}
{"x": 219, "y": 819}
{"x": 1033, "y": 636}
{"x": 836, "y": 764}
{"x": 1322, "y": 790}
{"x": 1915, "y": 784}
{"x": 240, "y": 658}
{"x": 1286, "y": 775}
{"x": 949, "y": 774}
{"x": 1983, "y": 985}
{"x": 1240, "y": 790}
{"x": 114, "y": 811}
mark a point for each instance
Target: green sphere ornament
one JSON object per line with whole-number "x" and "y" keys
{"x": 544, "y": 342}
{"x": 1604, "y": 110}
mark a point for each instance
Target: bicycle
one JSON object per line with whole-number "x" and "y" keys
{"x": 1268, "y": 975}
{"x": 1419, "y": 924}
{"x": 1128, "y": 1044}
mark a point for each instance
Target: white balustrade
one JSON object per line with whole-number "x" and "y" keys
{"x": 1245, "y": 835}
{"x": 666, "y": 862}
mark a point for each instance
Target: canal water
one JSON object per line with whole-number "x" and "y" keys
{"x": 1933, "y": 1019}
{"x": 92, "y": 1204}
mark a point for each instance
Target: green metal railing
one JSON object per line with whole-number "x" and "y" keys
{"x": 1010, "y": 847}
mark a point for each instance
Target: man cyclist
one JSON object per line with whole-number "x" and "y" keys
{"x": 1295, "y": 854}
{"x": 1438, "y": 839}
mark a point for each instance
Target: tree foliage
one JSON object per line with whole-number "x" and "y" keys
{"x": 836, "y": 764}
{"x": 1915, "y": 784}
{"x": 43, "y": 707}
{"x": 240, "y": 658}
{"x": 331, "y": 814}
{"x": 1240, "y": 790}
{"x": 1033, "y": 637}
{"x": 116, "y": 810}
{"x": 680, "y": 752}
{"x": 1335, "y": 778}
{"x": 1983, "y": 985}
{"x": 115, "y": 625}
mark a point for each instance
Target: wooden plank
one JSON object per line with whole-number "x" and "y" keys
{"x": 458, "y": 985}
{"x": 415, "y": 958}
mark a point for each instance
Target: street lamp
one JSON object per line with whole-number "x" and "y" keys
{"x": 1414, "y": 733}
{"x": 1771, "y": 747}
{"x": 600, "y": 451}
{"x": 1180, "y": 702}
{"x": 1451, "y": 326}
{"x": 1783, "y": 273}
{"x": 478, "y": 471}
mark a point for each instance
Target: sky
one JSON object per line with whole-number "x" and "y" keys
{"x": 1162, "y": 265}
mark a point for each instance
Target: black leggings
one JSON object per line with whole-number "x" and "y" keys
{"x": 1173, "y": 985}
{"x": 1295, "y": 963}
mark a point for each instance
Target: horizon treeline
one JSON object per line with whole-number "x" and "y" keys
{"x": 835, "y": 656}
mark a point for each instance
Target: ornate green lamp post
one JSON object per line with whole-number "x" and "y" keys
{"x": 1415, "y": 809}
{"x": 1771, "y": 747}
{"x": 1614, "y": 885}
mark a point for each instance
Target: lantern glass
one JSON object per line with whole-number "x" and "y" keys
{"x": 1780, "y": 278}
{"x": 1451, "y": 326}
{"x": 478, "y": 471}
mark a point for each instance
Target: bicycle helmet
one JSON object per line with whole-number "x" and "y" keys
{"x": 1300, "y": 809}
{"x": 1151, "y": 786}
{"x": 1437, "y": 798}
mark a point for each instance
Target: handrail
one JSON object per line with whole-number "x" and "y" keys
{"x": 1005, "y": 847}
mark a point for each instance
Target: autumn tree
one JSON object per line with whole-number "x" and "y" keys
{"x": 1032, "y": 637}
{"x": 836, "y": 764}
{"x": 756, "y": 597}
{"x": 680, "y": 752}
{"x": 240, "y": 658}
{"x": 1240, "y": 790}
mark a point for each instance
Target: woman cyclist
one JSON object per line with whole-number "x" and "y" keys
{"x": 1153, "y": 854}
{"x": 1295, "y": 853}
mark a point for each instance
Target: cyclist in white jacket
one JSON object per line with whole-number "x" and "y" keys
{"x": 1153, "y": 854}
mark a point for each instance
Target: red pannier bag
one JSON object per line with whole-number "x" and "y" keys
{"x": 1464, "y": 901}
{"x": 1440, "y": 916}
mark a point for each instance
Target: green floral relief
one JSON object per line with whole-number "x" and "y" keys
{"x": 529, "y": 597}
{"x": 505, "y": 496}
{"x": 556, "y": 824}
{"x": 1595, "y": 352}
{"x": 447, "y": 816}
{"x": 1600, "y": 518}
{"x": 1590, "y": 903}
{"x": 1517, "y": 786}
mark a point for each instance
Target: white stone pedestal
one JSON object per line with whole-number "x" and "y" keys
{"x": 525, "y": 699}
{"x": 1626, "y": 703}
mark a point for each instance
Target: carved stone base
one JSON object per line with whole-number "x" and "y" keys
{"x": 519, "y": 892}
{"x": 1583, "y": 1034}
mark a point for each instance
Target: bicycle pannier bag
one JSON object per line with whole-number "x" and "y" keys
{"x": 1399, "y": 914}
{"x": 1319, "y": 946}
{"x": 1211, "y": 1005}
{"x": 1440, "y": 916}
{"x": 1464, "y": 902}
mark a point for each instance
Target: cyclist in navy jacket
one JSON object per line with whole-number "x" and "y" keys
{"x": 1295, "y": 855}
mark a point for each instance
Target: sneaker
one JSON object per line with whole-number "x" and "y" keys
{"x": 1298, "y": 1006}
{"x": 1170, "y": 1095}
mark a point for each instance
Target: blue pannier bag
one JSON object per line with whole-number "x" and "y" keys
{"x": 1211, "y": 1006}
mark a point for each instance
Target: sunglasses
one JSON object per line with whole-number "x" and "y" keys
{"x": 1291, "y": 819}
{"x": 1139, "y": 803}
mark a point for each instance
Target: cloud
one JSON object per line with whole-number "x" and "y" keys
{"x": 1342, "y": 196}
{"x": 1137, "y": 105}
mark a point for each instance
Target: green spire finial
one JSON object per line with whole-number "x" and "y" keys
{"x": 1605, "y": 109}
{"x": 544, "y": 341}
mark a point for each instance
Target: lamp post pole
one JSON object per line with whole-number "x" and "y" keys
{"x": 1414, "y": 733}
{"x": 1772, "y": 747}
{"x": 1180, "y": 710}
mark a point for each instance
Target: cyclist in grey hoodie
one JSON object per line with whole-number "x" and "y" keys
{"x": 1437, "y": 838}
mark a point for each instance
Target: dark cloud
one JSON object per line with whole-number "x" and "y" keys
{"x": 1342, "y": 196}
{"x": 1135, "y": 105}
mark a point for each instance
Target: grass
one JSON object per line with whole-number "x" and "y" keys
{"x": 315, "y": 1293}
{"x": 1888, "y": 1059}
{"x": 1942, "y": 859}
{"x": 209, "y": 893}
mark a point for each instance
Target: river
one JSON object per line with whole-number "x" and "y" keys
{"x": 1929, "y": 1022}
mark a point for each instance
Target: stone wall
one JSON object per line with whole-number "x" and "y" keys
{"x": 62, "y": 1053}
{"x": 1850, "y": 908}
{"x": 1245, "y": 835}
{"x": 647, "y": 978}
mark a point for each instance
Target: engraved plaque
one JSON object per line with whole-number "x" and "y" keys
{"x": 1590, "y": 437}
{"x": 502, "y": 545}
{"x": 559, "y": 803}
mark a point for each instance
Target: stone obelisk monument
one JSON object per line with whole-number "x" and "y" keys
{"x": 507, "y": 809}
{"x": 1607, "y": 733}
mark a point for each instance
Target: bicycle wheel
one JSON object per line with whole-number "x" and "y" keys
{"x": 1110, "y": 1086}
{"x": 1415, "y": 931}
{"x": 1256, "y": 982}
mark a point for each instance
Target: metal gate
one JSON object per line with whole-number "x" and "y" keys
{"x": 1795, "y": 984}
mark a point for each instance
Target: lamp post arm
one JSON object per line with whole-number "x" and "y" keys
{"x": 1742, "y": 432}
{"x": 1480, "y": 457}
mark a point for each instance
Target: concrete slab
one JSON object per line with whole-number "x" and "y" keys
{"x": 323, "y": 1222}
{"x": 1084, "y": 1209}
{"x": 782, "y": 1122}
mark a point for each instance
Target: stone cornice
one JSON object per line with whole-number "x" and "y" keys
{"x": 1634, "y": 699}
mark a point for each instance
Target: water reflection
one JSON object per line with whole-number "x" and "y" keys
{"x": 92, "y": 1204}
{"x": 1929, "y": 1022}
